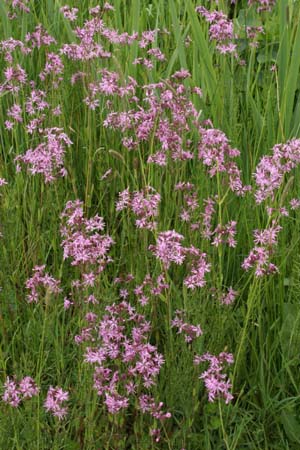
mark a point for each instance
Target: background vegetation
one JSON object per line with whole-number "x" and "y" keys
{"x": 256, "y": 104}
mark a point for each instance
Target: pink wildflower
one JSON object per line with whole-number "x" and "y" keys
{"x": 148, "y": 404}
{"x": 16, "y": 392}
{"x": 121, "y": 336}
{"x": 216, "y": 382}
{"x": 229, "y": 297}
{"x": 295, "y": 203}
{"x": 168, "y": 248}
{"x": 41, "y": 280}
{"x": 48, "y": 157}
{"x": 143, "y": 204}
{"x": 54, "y": 402}
{"x": 220, "y": 29}
{"x": 82, "y": 241}
{"x": 199, "y": 268}
{"x": 69, "y": 13}
{"x": 190, "y": 332}
{"x": 270, "y": 171}
{"x": 39, "y": 37}
{"x": 263, "y": 5}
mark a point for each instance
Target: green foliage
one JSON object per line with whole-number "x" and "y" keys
{"x": 256, "y": 107}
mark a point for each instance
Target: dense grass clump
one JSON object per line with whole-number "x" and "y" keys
{"x": 149, "y": 225}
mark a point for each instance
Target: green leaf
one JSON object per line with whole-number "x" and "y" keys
{"x": 290, "y": 332}
{"x": 247, "y": 18}
{"x": 267, "y": 56}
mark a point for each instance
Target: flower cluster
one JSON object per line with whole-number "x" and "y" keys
{"x": 125, "y": 362}
{"x": 148, "y": 404}
{"x": 191, "y": 205}
{"x": 229, "y": 297}
{"x": 270, "y": 171}
{"x": 43, "y": 280}
{"x": 54, "y": 402}
{"x": 39, "y": 37}
{"x": 220, "y": 29}
{"x": 17, "y": 6}
{"x": 295, "y": 203}
{"x": 93, "y": 31}
{"x": 165, "y": 120}
{"x": 150, "y": 287}
{"x": 54, "y": 67}
{"x": 144, "y": 204}
{"x": 259, "y": 256}
{"x": 225, "y": 234}
{"x": 15, "y": 78}
{"x": 190, "y": 332}
{"x": 253, "y": 33}
{"x": 263, "y": 5}
{"x": 207, "y": 217}
{"x": 48, "y": 157}
{"x": 15, "y": 391}
{"x": 216, "y": 153}
{"x": 69, "y": 13}
{"x": 169, "y": 249}
{"x": 109, "y": 85}
{"x": 199, "y": 267}
{"x": 82, "y": 241}
{"x": 216, "y": 382}
{"x": 15, "y": 112}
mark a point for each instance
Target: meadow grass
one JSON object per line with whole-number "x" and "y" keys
{"x": 257, "y": 105}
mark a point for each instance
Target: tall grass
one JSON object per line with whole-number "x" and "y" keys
{"x": 256, "y": 105}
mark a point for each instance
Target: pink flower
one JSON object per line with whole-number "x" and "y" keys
{"x": 295, "y": 203}
{"x": 16, "y": 392}
{"x": 69, "y": 13}
{"x": 143, "y": 204}
{"x": 148, "y": 404}
{"x": 54, "y": 402}
{"x": 228, "y": 299}
{"x": 122, "y": 355}
{"x": 263, "y": 5}
{"x": 225, "y": 234}
{"x": 220, "y": 29}
{"x": 21, "y": 5}
{"x": 28, "y": 388}
{"x": 259, "y": 256}
{"x": 48, "y": 157}
{"x": 267, "y": 237}
{"x": 39, "y": 37}
{"x": 155, "y": 433}
{"x": 168, "y": 248}
{"x": 270, "y": 171}
{"x": 216, "y": 382}
{"x": 41, "y": 280}
{"x": 115, "y": 402}
{"x": 15, "y": 112}
{"x": 209, "y": 211}
{"x": 199, "y": 268}
{"x": 82, "y": 239}
{"x": 181, "y": 74}
{"x": 191, "y": 332}
{"x": 216, "y": 153}
{"x": 11, "y": 394}
{"x": 67, "y": 303}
